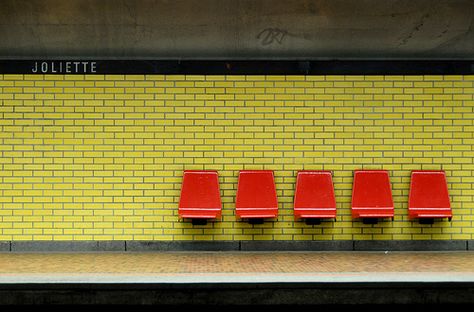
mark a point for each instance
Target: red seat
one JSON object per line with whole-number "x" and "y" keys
{"x": 372, "y": 195}
{"x": 200, "y": 195}
{"x": 314, "y": 195}
{"x": 256, "y": 195}
{"x": 429, "y": 197}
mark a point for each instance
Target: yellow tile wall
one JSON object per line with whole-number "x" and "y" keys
{"x": 101, "y": 157}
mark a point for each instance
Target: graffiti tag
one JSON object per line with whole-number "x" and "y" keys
{"x": 271, "y": 35}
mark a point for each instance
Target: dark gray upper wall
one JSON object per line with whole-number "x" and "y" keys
{"x": 237, "y": 29}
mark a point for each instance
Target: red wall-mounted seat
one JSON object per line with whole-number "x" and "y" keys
{"x": 429, "y": 197}
{"x": 256, "y": 195}
{"x": 200, "y": 195}
{"x": 314, "y": 195}
{"x": 372, "y": 195}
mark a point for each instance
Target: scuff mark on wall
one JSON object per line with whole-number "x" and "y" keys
{"x": 404, "y": 40}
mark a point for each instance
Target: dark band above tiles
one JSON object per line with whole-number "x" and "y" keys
{"x": 142, "y": 246}
{"x": 250, "y": 67}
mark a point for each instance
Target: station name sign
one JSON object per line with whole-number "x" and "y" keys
{"x": 64, "y": 67}
{"x": 89, "y": 67}
{"x": 79, "y": 66}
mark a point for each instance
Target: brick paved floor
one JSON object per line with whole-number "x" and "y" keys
{"x": 235, "y": 262}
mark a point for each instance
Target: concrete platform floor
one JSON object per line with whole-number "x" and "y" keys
{"x": 234, "y": 278}
{"x": 169, "y": 265}
{"x": 224, "y": 267}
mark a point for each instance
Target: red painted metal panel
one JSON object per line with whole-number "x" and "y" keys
{"x": 314, "y": 195}
{"x": 429, "y": 197}
{"x": 372, "y": 194}
{"x": 256, "y": 194}
{"x": 200, "y": 195}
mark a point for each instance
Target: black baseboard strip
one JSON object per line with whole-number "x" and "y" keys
{"x": 424, "y": 245}
{"x": 183, "y": 246}
{"x": 297, "y": 246}
{"x": 470, "y": 245}
{"x": 5, "y": 246}
{"x": 145, "y": 246}
{"x": 66, "y": 246}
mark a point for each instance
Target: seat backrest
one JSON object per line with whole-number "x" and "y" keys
{"x": 428, "y": 189}
{"x": 371, "y": 188}
{"x": 200, "y": 189}
{"x": 314, "y": 189}
{"x": 256, "y": 189}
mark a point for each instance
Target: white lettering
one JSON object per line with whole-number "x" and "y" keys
{"x": 69, "y": 67}
{"x": 44, "y": 67}
{"x": 35, "y": 68}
